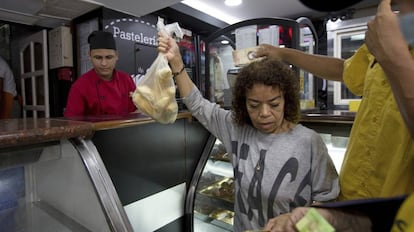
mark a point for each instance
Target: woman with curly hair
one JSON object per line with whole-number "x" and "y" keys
{"x": 278, "y": 164}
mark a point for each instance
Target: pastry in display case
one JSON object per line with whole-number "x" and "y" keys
{"x": 214, "y": 196}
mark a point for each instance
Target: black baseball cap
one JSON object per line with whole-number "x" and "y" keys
{"x": 324, "y": 5}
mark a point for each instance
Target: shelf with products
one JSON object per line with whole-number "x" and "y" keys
{"x": 228, "y": 49}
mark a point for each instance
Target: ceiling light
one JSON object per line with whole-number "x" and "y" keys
{"x": 233, "y": 2}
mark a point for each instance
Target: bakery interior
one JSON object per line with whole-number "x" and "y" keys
{"x": 131, "y": 173}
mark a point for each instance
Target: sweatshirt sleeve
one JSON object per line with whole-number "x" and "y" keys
{"x": 216, "y": 119}
{"x": 325, "y": 182}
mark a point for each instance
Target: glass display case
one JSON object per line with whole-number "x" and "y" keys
{"x": 214, "y": 194}
{"x": 229, "y": 49}
{"x": 57, "y": 186}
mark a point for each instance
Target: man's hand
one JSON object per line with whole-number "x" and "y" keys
{"x": 267, "y": 50}
{"x": 383, "y": 37}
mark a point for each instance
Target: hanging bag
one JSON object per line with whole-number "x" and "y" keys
{"x": 155, "y": 91}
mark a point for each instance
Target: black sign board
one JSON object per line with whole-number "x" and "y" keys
{"x": 136, "y": 39}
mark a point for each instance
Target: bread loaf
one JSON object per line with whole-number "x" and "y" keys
{"x": 157, "y": 99}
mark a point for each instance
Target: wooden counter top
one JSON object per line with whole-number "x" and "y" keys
{"x": 108, "y": 122}
{"x": 16, "y": 132}
{"x": 19, "y": 132}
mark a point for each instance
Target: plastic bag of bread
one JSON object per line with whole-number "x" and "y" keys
{"x": 155, "y": 92}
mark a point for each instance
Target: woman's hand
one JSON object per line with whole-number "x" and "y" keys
{"x": 340, "y": 220}
{"x": 286, "y": 222}
{"x": 169, "y": 47}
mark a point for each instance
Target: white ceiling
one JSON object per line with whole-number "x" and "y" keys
{"x": 52, "y": 13}
{"x": 268, "y": 8}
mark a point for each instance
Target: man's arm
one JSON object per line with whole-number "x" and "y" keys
{"x": 386, "y": 42}
{"x": 326, "y": 67}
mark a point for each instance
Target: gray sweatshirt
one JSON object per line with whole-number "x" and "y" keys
{"x": 273, "y": 173}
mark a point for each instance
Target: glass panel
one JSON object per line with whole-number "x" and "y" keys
{"x": 48, "y": 189}
{"x": 38, "y": 48}
{"x": 346, "y": 42}
{"x": 307, "y": 95}
{"x": 214, "y": 199}
{"x": 27, "y": 60}
{"x": 349, "y": 44}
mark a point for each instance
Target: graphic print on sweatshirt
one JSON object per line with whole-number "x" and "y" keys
{"x": 270, "y": 203}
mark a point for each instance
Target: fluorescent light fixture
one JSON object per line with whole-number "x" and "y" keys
{"x": 213, "y": 12}
{"x": 358, "y": 37}
{"x": 232, "y": 2}
{"x": 224, "y": 42}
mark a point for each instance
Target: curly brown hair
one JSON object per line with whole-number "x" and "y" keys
{"x": 268, "y": 72}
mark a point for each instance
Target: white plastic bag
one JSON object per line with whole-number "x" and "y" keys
{"x": 155, "y": 92}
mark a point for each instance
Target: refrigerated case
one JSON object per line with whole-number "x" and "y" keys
{"x": 112, "y": 173}
{"x": 52, "y": 179}
{"x": 210, "y": 200}
{"x": 223, "y": 49}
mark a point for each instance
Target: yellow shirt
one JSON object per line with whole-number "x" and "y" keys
{"x": 379, "y": 161}
{"x": 405, "y": 216}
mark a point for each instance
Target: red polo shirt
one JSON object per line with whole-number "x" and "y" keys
{"x": 91, "y": 96}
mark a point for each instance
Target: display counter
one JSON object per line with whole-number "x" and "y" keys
{"x": 122, "y": 173}
{"x": 97, "y": 173}
{"x": 52, "y": 179}
{"x": 151, "y": 166}
{"x": 335, "y": 122}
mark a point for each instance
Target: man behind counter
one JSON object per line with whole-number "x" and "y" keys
{"x": 103, "y": 90}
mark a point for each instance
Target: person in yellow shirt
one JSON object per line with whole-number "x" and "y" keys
{"x": 380, "y": 155}
{"x": 404, "y": 221}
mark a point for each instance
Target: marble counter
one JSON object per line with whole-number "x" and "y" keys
{"x": 19, "y": 132}
{"x": 16, "y": 132}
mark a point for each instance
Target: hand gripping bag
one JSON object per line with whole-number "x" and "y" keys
{"x": 155, "y": 91}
